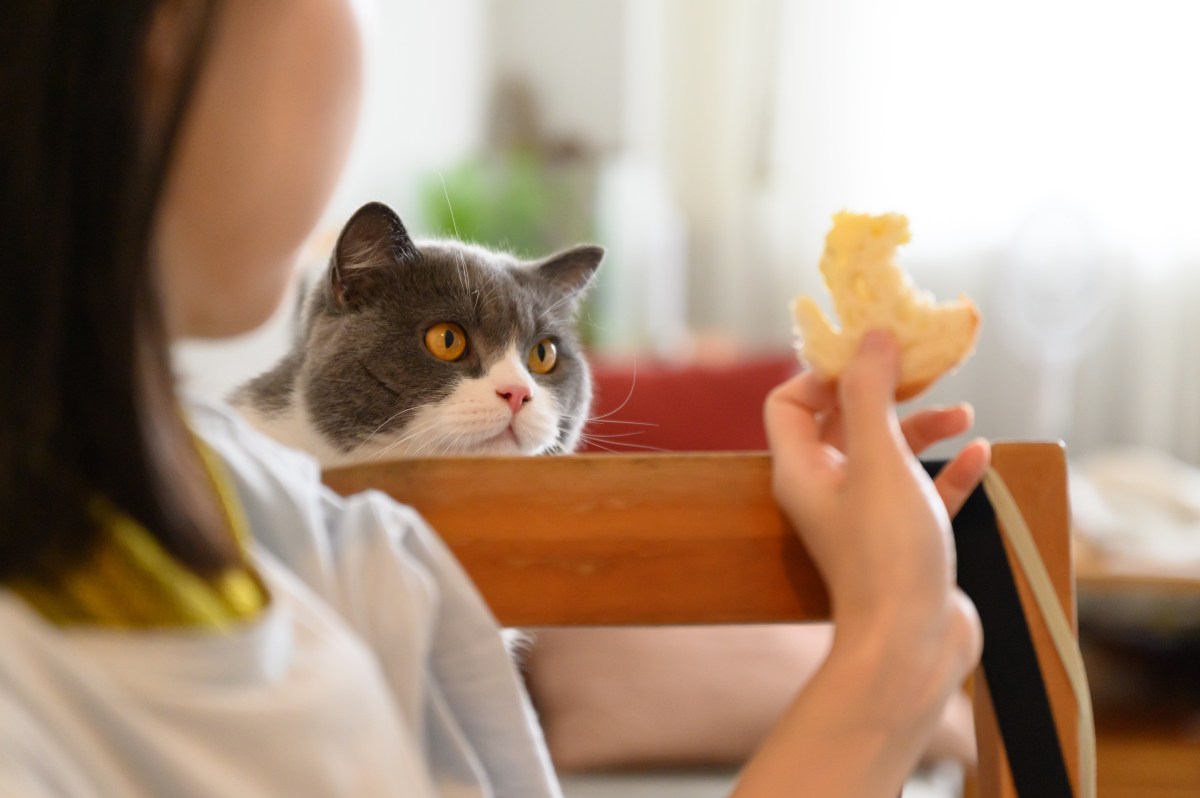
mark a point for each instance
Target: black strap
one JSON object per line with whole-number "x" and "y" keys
{"x": 1014, "y": 677}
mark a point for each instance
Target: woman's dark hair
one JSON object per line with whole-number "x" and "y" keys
{"x": 87, "y": 399}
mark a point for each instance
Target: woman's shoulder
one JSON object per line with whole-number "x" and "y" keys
{"x": 289, "y": 511}
{"x": 244, "y": 447}
{"x": 279, "y": 490}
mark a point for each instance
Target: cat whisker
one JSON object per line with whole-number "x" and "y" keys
{"x": 588, "y": 321}
{"x": 453, "y": 443}
{"x": 385, "y": 422}
{"x": 434, "y": 444}
{"x": 495, "y": 286}
{"x": 569, "y": 297}
{"x": 441, "y": 443}
{"x": 416, "y": 452}
{"x": 600, "y": 446}
{"x": 462, "y": 273}
{"x": 589, "y": 440}
{"x": 462, "y": 265}
{"x": 593, "y": 436}
{"x": 453, "y": 221}
{"x": 394, "y": 417}
{"x": 591, "y": 421}
{"x": 422, "y": 446}
{"x": 628, "y": 396}
{"x": 420, "y": 430}
{"x": 380, "y": 454}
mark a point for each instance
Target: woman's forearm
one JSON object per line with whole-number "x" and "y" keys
{"x": 845, "y": 474}
{"x": 859, "y": 727}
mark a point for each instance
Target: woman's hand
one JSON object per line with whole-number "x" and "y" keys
{"x": 878, "y": 529}
{"x": 846, "y": 477}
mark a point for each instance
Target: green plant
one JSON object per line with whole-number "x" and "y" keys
{"x": 519, "y": 202}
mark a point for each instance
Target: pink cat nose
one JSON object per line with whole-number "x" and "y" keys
{"x": 516, "y": 396}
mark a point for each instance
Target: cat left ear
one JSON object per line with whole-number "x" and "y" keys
{"x": 372, "y": 240}
{"x": 572, "y": 271}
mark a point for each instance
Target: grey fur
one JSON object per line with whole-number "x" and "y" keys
{"x": 359, "y": 366}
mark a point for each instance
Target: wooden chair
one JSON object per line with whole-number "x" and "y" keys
{"x": 594, "y": 540}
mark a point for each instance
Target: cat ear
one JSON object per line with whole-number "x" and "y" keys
{"x": 571, "y": 272}
{"x": 373, "y": 239}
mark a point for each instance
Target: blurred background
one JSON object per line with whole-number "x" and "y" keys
{"x": 1046, "y": 152}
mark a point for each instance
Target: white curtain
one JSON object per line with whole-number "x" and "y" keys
{"x": 1045, "y": 152}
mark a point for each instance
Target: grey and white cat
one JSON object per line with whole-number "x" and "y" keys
{"x": 421, "y": 348}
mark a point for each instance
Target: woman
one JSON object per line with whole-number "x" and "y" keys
{"x": 185, "y": 610}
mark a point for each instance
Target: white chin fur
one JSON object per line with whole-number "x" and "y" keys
{"x": 476, "y": 420}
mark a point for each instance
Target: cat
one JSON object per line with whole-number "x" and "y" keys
{"x": 427, "y": 348}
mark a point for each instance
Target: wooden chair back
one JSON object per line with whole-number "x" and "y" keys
{"x": 592, "y": 540}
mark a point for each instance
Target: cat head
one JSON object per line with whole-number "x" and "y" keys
{"x": 439, "y": 347}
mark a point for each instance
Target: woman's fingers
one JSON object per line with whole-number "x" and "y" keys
{"x": 958, "y": 479}
{"x": 926, "y": 427}
{"x": 808, "y": 421}
{"x": 803, "y": 467}
{"x": 920, "y": 430}
{"x": 792, "y": 411}
{"x": 867, "y": 395}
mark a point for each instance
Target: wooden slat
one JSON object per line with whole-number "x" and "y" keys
{"x": 1036, "y": 474}
{"x": 680, "y": 539}
{"x": 600, "y": 539}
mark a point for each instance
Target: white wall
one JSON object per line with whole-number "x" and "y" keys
{"x": 570, "y": 55}
{"x": 425, "y": 103}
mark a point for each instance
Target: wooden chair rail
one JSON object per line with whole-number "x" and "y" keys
{"x": 600, "y": 540}
{"x": 679, "y": 539}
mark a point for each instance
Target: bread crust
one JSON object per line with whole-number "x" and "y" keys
{"x": 870, "y": 291}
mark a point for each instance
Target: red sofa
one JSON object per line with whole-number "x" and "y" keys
{"x": 683, "y": 407}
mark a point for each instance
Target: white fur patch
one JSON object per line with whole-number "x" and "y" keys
{"x": 294, "y": 428}
{"x": 475, "y": 419}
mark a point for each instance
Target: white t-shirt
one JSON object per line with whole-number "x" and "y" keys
{"x": 375, "y": 671}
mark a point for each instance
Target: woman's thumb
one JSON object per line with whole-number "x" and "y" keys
{"x": 867, "y": 390}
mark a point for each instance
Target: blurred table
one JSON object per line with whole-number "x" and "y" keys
{"x": 1140, "y": 635}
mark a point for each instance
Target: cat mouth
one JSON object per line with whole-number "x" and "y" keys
{"x": 503, "y": 442}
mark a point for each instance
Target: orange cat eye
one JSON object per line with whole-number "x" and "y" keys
{"x": 446, "y": 341}
{"x": 543, "y": 356}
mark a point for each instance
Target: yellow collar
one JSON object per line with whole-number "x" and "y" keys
{"x": 132, "y": 582}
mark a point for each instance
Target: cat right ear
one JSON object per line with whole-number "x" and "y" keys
{"x": 571, "y": 272}
{"x": 373, "y": 239}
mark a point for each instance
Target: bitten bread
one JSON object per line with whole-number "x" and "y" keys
{"x": 870, "y": 291}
